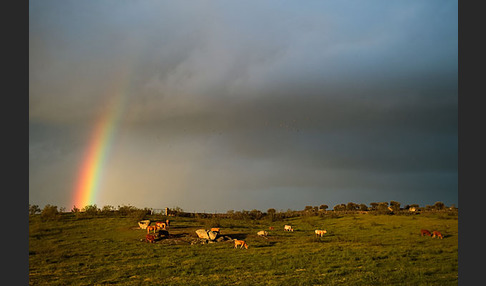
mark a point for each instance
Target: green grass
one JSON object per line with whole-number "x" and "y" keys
{"x": 357, "y": 250}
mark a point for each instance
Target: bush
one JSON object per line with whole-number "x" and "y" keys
{"x": 126, "y": 210}
{"x": 139, "y": 214}
{"x": 50, "y": 213}
{"x": 33, "y": 209}
{"x": 91, "y": 210}
{"x": 108, "y": 210}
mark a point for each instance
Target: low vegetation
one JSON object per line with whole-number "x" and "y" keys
{"x": 98, "y": 247}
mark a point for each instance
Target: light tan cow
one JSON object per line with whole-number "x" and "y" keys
{"x": 288, "y": 228}
{"x": 143, "y": 224}
{"x": 320, "y": 232}
{"x": 262, "y": 233}
{"x": 241, "y": 243}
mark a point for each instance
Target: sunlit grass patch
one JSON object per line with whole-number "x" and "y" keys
{"x": 366, "y": 250}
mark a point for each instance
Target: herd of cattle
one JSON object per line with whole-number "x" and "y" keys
{"x": 161, "y": 229}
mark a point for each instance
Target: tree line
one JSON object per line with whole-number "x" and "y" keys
{"x": 52, "y": 212}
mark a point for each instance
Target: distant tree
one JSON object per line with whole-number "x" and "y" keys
{"x": 374, "y": 206}
{"x": 256, "y": 214}
{"x": 139, "y": 214}
{"x": 340, "y": 207}
{"x": 49, "y": 212}
{"x": 91, "y": 210}
{"x": 323, "y": 207}
{"x": 75, "y": 209}
{"x": 176, "y": 211}
{"x": 439, "y": 206}
{"x": 34, "y": 209}
{"x": 383, "y": 208}
{"x": 126, "y": 210}
{"x": 271, "y": 214}
{"x": 351, "y": 206}
{"x": 308, "y": 208}
{"x": 395, "y": 206}
{"x": 107, "y": 209}
{"x": 271, "y": 211}
{"x": 363, "y": 207}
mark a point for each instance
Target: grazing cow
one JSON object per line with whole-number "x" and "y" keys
{"x": 425, "y": 232}
{"x": 271, "y": 228}
{"x": 320, "y": 232}
{"x": 161, "y": 225}
{"x": 143, "y": 224}
{"x": 242, "y": 243}
{"x": 288, "y": 228}
{"x": 262, "y": 233}
{"x": 216, "y": 229}
{"x": 151, "y": 227}
{"x": 150, "y": 238}
{"x": 437, "y": 234}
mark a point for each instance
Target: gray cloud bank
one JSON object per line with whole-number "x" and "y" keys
{"x": 235, "y": 105}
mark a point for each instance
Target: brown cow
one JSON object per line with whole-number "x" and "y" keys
{"x": 242, "y": 243}
{"x": 425, "y": 232}
{"x": 271, "y": 228}
{"x": 150, "y": 238}
{"x": 438, "y": 234}
{"x": 216, "y": 229}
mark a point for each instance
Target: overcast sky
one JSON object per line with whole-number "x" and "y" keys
{"x": 246, "y": 104}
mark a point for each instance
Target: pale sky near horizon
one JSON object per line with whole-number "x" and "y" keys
{"x": 232, "y": 105}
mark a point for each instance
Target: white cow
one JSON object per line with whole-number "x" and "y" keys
{"x": 262, "y": 233}
{"x": 320, "y": 232}
{"x": 288, "y": 228}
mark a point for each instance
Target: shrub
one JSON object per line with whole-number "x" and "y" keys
{"x": 126, "y": 210}
{"x": 139, "y": 214}
{"x": 91, "y": 210}
{"x": 107, "y": 210}
{"x": 33, "y": 209}
{"x": 50, "y": 212}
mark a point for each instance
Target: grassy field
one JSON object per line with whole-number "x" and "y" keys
{"x": 360, "y": 249}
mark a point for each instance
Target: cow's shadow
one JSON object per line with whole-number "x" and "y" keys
{"x": 179, "y": 226}
{"x": 268, "y": 244}
{"x": 239, "y": 236}
{"x": 177, "y": 235}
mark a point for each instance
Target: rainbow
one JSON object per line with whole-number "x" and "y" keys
{"x": 90, "y": 172}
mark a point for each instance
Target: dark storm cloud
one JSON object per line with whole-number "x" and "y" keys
{"x": 317, "y": 97}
